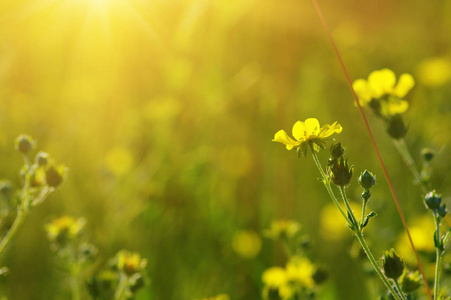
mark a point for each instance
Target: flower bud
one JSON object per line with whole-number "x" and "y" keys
{"x": 41, "y": 159}
{"x": 396, "y": 127}
{"x": 336, "y": 150}
{"x": 442, "y": 211}
{"x": 393, "y": 264}
{"x": 54, "y": 176}
{"x": 427, "y": 154}
{"x": 410, "y": 282}
{"x": 24, "y": 143}
{"x": 433, "y": 200}
{"x": 320, "y": 275}
{"x": 340, "y": 172}
{"x": 367, "y": 180}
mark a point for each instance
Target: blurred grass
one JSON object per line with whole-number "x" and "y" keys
{"x": 164, "y": 112}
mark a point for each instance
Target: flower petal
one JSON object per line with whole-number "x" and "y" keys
{"x": 382, "y": 82}
{"x": 363, "y": 91}
{"x": 312, "y": 127}
{"x": 405, "y": 84}
{"x": 299, "y": 131}
{"x": 396, "y": 106}
{"x": 282, "y": 137}
{"x": 327, "y": 130}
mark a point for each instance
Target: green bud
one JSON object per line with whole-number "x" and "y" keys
{"x": 367, "y": 180}
{"x": 336, "y": 150}
{"x": 54, "y": 176}
{"x": 24, "y": 143}
{"x": 433, "y": 200}
{"x": 340, "y": 172}
{"x": 393, "y": 264}
{"x": 427, "y": 154}
{"x": 41, "y": 159}
{"x": 5, "y": 187}
{"x": 442, "y": 211}
{"x": 396, "y": 127}
{"x": 410, "y": 282}
{"x": 320, "y": 275}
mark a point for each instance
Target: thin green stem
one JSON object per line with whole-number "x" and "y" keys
{"x": 375, "y": 266}
{"x": 356, "y": 230}
{"x": 405, "y": 154}
{"x": 348, "y": 207}
{"x": 437, "y": 272}
{"x": 119, "y": 294}
{"x": 401, "y": 294}
{"x": 21, "y": 209}
{"x": 363, "y": 213}
{"x": 12, "y": 231}
{"x": 438, "y": 259}
{"x": 326, "y": 182}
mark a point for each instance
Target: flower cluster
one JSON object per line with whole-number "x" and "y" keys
{"x": 385, "y": 97}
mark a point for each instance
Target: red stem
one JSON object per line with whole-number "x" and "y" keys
{"x": 373, "y": 141}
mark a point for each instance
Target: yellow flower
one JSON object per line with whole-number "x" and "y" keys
{"x": 274, "y": 277}
{"x": 435, "y": 71}
{"x": 282, "y": 228}
{"x": 300, "y": 270}
{"x": 246, "y": 243}
{"x": 63, "y": 229}
{"x": 130, "y": 262}
{"x": 381, "y": 88}
{"x": 308, "y": 133}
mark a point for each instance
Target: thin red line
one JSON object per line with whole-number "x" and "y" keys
{"x": 373, "y": 141}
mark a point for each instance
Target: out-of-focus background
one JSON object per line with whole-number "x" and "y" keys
{"x": 164, "y": 112}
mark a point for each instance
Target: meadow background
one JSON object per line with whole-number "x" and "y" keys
{"x": 164, "y": 112}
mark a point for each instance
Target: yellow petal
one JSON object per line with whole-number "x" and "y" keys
{"x": 282, "y": 137}
{"x": 405, "y": 84}
{"x": 299, "y": 130}
{"x": 328, "y": 130}
{"x": 363, "y": 91}
{"x": 397, "y": 106}
{"x": 312, "y": 127}
{"x": 382, "y": 82}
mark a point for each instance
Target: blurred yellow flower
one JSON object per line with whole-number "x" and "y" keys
{"x": 130, "y": 262}
{"x": 300, "y": 270}
{"x": 65, "y": 228}
{"x": 246, "y": 243}
{"x": 332, "y": 224}
{"x": 282, "y": 228}
{"x": 422, "y": 232}
{"x": 308, "y": 133}
{"x": 274, "y": 277}
{"x": 381, "y": 87}
{"x": 119, "y": 161}
{"x": 434, "y": 72}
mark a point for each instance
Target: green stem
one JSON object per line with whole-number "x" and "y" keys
{"x": 363, "y": 213}
{"x": 437, "y": 272}
{"x": 374, "y": 264}
{"x": 326, "y": 182}
{"x": 22, "y": 209}
{"x": 438, "y": 260}
{"x": 348, "y": 207}
{"x": 75, "y": 286}
{"x": 119, "y": 294}
{"x": 357, "y": 231}
{"x": 405, "y": 154}
{"x": 13, "y": 230}
{"x": 401, "y": 294}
